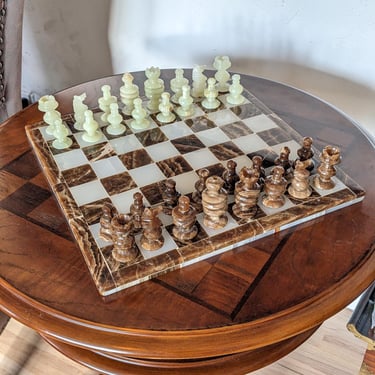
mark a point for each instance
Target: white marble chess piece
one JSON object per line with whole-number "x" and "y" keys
{"x": 105, "y": 101}
{"x": 114, "y": 118}
{"x": 139, "y": 114}
{"x": 211, "y": 93}
{"x": 222, "y": 64}
{"x": 235, "y": 96}
{"x": 186, "y": 103}
{"x": 92, "y": 133}
{"x": 128, "y": 92}
{"x": 61, "y": 133}
{"x": 79, "y": 108}
{"x": 48, "y": 105}
{"x": 176, "y": 85}
{"x": 165, "y": 107}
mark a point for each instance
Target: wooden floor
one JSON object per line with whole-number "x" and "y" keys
{"x": 331, "y": 351}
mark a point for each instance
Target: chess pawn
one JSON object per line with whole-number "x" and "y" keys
{"x": 184, "y": 218}
{"x": 79, "y": 108}
{"x": 139, "y": 115}
{"x": 136, "y": 210}
{"x": 92, "y": 134}
{"x": 165, "y": 107}
{"x": 200, "y": 185}
{"x": 299, "y": 187}
{"x": 105, "y": 102}
{"x": 284, "y": 161}
{"x": 177, "y": 83}
{"x": 235, "y": 96}
{"x": 274, "y": 188}
{"x": 186, "y": 103}
{"x": 215, "y": 203}
{"x": 199, "y": 82}
{"x": 258, "y": 165}
{"x": 329, "y": 157}
{"x": 222, "y": 64}
{"x": 109, "y": 211}
{"x": 152, "y": 238}
{"x": 170, "y": 196}
{"x": 230, "y": 176}
{"x": 154, "y": 86}
{"x": 48, "y": 105}
{"x": 210, "y": 93}
{"x": 124, "y": 249}
{"x": 305, "y": 153}
{"x": 114, "y": 118}
{"x": 61, "y": 133}
{"x": 246, "y": 193}
{"x": 128, "y": 92}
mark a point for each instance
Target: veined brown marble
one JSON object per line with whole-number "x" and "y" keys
{"x": 111, "y": 275}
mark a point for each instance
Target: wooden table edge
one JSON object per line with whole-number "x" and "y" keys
{"x": 193, "y": 343}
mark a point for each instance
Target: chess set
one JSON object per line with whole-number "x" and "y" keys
{"x": 154, "y": 180}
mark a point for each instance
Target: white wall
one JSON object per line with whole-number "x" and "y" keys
{"x": 333, "y": 36}
{"x": 64, "y": 43}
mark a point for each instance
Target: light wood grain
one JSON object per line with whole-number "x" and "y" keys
{"x": 332, "y": 350}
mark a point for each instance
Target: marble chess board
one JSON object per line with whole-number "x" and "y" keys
{"x": 86, "y": 175}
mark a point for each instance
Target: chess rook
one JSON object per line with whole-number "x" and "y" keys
{"x": 124, "y": 249}
{"x": 154, "y": 86}
{"x": 329, "y": 157}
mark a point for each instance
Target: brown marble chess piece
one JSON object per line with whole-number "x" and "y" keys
{"x": 170, "y": 196}
{"x": 274, "y": 188}
{"x": 246, "y": 193}
{"x": 184, "y": 218}
{"x": 136, "y": 210}
{"x": 329, "y": 157}
{"x": 200, "y": 185}
{"x": 299, "y": 187}
{"x": 215, "y": 203}
{"x": 305, "y": 153}
{"x": 152, "y": 238}
{"x": 124, "y": 249}
{"x": 230, "y": 176}
{"x": 283, "y": 160}
{"x": 109, "y": 211}
{"x": 258, "y": 165}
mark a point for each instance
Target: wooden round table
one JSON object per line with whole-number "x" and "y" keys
{"x": 212, "y": 317}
